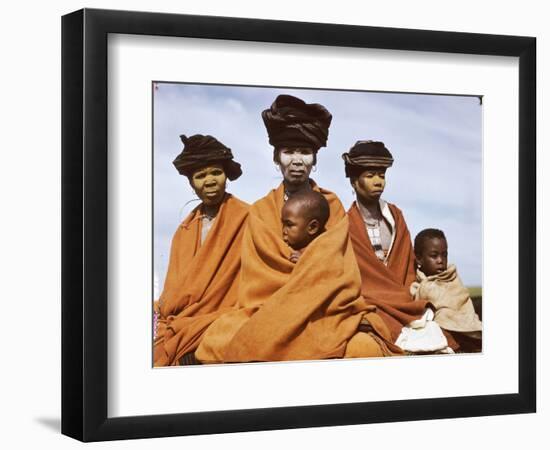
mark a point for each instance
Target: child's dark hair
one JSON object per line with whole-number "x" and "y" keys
{"x": 315, "y": 205}
{"x": 423, "y": 236}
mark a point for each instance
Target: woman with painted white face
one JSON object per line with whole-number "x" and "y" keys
{"x": 203, "y": 273}
{"x": 295, "y": 163}
{"x": 288, "y": 310}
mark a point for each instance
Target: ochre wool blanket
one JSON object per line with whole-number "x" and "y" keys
{"x": 202, "y": 280}
{"x": 287, "y": 311}
{"x": 387, "y": 285}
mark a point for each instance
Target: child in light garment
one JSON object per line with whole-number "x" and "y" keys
{"x": 442, "y": 287}
{"x": 304, "y": 216}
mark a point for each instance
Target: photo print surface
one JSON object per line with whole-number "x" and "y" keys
{"x": 306, "y": 224}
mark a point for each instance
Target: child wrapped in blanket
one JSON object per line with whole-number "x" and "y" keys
{"x": 304, "y": 216}
{"x": 442, "y": 287}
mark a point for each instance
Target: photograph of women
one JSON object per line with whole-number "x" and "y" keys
{"x": 305, "y": 224}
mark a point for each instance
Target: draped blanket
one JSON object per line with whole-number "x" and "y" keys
{"x": 387, "y": 285}
{"x": 202, "y": 280}
{"x": 287, "y": 311}
{"x": 454, "y": 308}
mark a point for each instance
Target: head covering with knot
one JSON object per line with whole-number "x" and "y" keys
{"x": 200, "y": 151}
{"x": 291, "y": 122}
{"x": 366, "y": 154}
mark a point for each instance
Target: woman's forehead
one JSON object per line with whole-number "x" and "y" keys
{"x": 296, "y": 150}
{"x": 209, "y": 168}
{"x": 373, "y": 169}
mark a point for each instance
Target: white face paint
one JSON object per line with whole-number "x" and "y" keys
{"x": 296, "y": 164}
{"x": 296, "y": 158}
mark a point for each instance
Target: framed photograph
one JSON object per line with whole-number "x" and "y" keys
{"x": 256, "y": 214}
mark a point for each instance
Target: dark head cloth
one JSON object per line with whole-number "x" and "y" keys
{"x": 200, "y": 151}
{"x": 366, "y": 154}
{"x": 291, "y": 122}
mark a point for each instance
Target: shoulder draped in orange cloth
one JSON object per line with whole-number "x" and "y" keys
{"x": 387, "y": 286}
{"x": 202, "y": 280}
{"x": 287, "y": 311}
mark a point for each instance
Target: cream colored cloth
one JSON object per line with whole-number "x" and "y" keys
{"x": 454, "y": 310}
{"x": 423, "y": 336}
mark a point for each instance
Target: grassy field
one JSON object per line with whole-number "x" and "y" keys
{"x": 476, "y": 296}
{"x": 475, "y": 291}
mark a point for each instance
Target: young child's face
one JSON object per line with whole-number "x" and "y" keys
{"x": 434, "y": 256}
{"x": 298, "y": 231}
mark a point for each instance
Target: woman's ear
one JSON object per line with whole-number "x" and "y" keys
{"x": 276, "y": 156}
{"x": 193, "y": 190}
{"x": 277, "y": 159}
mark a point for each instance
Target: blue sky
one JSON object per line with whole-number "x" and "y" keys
{"x": 436, "y": 142}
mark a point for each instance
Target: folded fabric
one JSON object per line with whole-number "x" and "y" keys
{"x": 386, "y": 285}
{"x": 454, "y": 310}
{"x": 202, "y": 280}
{"x": 422, "y": 335}
{"x": 287, "y": 311}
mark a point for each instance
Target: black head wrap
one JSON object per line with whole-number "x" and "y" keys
{"x": 366, "y": 154}
{"x": 291, "y": 122}
{"x": 200, "y": 151}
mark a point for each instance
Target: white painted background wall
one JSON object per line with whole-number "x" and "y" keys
{"x": 30, "y": 229}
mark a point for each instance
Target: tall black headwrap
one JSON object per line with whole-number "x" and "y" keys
{"x": 291, "y": 122}
{"x": 200, "y": 151}
{"x": 366, "y": 154}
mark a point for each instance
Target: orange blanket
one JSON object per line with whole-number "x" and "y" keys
{"x": 202, "y": 280}
{"x": 387, "y": 286}
{"x": 307, "y": 310}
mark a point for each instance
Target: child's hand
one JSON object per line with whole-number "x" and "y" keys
{"x": 294, "y": 256}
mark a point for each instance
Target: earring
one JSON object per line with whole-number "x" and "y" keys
{"x": 277, "y": 168}
{"x": 314, "y": 168}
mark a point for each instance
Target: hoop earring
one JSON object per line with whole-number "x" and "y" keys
{"x": 277, "y": 167}
{"x": 314, "y": 169}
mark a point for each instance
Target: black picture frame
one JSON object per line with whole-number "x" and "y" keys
{"x": 84, "y": 224}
